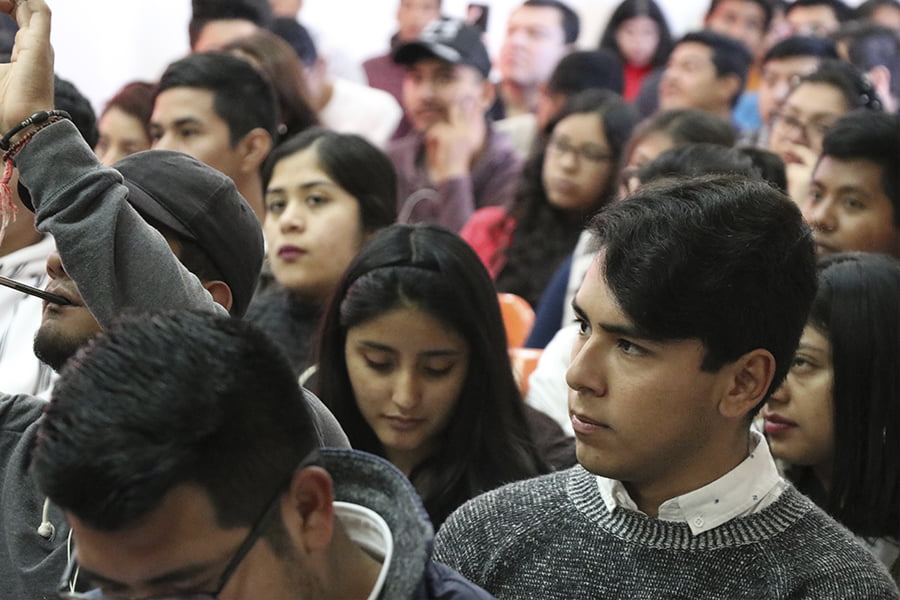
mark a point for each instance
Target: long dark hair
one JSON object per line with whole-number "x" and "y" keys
{"x": 486, "y": 442}
{"x": 545, "y": 234}
{"x": 857, "y": 309}
{"x": 630, "y": 9}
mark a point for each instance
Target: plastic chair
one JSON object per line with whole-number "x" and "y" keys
{"x": 518, "y": 318}
{"x": 524, "y": 361}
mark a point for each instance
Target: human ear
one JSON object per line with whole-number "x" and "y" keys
{"x": 729, "y": 86}
{"x": 220, "y": 292}
{"x": 308, "y": 509}
{"x": 488, "y": 94}
{"x": 254, "y": 147}
{"x": 748, "y": 381}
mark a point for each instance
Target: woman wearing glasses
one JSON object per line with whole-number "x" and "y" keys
{"x": 568, "y": 177}
{"x": 800, "y": 123}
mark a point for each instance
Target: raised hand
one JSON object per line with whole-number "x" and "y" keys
{"x": 26, "y": 83}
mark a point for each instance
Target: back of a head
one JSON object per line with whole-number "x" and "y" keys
{"x": 587, "y": 69}
{"x": 692, "y": 160}
{"x": 801, "y": 45}
{"x": 868, "y": 9}
{"x": 856, "y": 309}
{"x": 856, "y": 89}
{"x": 352, "y": 162}
{"x": 684, "y": 126}
{"x": 870, "y": 45}
{"x": 237, "y": 431}
{"x": 67, "y": 97}
{"x": 729, "y": 56}
{"x": 298, "y": 38}
{"x": 571, "y": 23}
{"x": 724, "y": 259}
{"x": 242, "y": 96}
{"x": 275, "y": 57}
{"x": 872, "y": 136}
{"x": 258, "y": 12}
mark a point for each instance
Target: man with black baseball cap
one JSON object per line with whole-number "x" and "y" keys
{"x": 453, "y": 162}
{"x": 120, "y": 235}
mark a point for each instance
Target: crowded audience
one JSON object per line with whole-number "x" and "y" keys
{"x": 539, "y": 301}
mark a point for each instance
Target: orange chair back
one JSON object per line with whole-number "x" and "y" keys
{"x": 524, "y": 361}
{"x": 518, "y": 318}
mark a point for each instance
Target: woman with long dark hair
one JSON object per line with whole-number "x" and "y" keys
{"x": 836, "y": 419}
{"x": 638, "y": 33}
{"x": 565, "y": 181}
{"x": 413, "y": 363}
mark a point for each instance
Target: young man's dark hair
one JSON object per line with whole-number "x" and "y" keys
{"x": 765, "y": 5}
{"x": 688, "y": 318}
{"x": 298, "y": 37}
{"x": 692, "y": 160}
{"x": 869, "y": 46}
{"x": 729, "y": 56}
{"x": 706, "y": 289}
{"x": 841, "y": 11}
{"x": 571, "y": 24}
{"x": 801, "y": 45}
{"x": 874, "y": 137}
{"x": 586, "y": 69}
{"x": 200, "y": 449}
{"x": 242, "y": 96}
{"x": 867, "y": 9}
{"x": 69, "y": 98}
{"x": 858, "y": 91}
{"x": 237, "y": 452}
{"x": 257, "y": 12}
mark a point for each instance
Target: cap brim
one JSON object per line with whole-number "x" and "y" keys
{"x": 413, "y": 52}
{"x": 149, "y": 209}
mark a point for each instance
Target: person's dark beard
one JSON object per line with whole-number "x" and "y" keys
{"x": 54, "y": 348}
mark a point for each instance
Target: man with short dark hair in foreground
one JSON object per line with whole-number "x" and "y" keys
{"x": 236, "y": 497}
{"x": 689, "y": 318}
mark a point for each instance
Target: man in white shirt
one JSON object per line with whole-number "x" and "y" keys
{"x": 688, "y": 318}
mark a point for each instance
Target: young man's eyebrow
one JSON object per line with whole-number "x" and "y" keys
{"x": 613, "y": 328}
{"x": 181, "y": 574}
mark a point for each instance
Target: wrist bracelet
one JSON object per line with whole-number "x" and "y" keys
{"x": 39, "y": 118}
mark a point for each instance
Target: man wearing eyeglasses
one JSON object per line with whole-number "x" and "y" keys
{"x": 176, "y": 487}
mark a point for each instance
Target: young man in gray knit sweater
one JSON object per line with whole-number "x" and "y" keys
{"x": 690, "y": 316}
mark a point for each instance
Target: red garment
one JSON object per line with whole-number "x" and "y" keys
{"x": 634, "y": 78}
{"x": 489, "y": 231}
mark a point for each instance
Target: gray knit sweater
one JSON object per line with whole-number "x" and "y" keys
{"x": 553, "y": 537}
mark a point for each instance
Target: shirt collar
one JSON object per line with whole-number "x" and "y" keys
{"x": 746, "y": 489}
{"x": 368, "y": 530}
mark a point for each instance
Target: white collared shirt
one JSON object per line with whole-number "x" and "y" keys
{"x": 368, "y": 530}
{"x": 746, "y": 489}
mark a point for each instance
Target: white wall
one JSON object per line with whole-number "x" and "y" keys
{"x": 103, "y": 44}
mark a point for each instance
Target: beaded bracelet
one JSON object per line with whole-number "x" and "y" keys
{"x": 41, "y": 118}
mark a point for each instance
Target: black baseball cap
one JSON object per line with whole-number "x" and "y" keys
{"x": 448, "y": 39}
{"x": 201, "y": 204}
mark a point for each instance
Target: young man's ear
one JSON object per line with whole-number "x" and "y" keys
{"x": 254, "y": 148}
{"x": 749, "y": 380}
{"x": 307, "y": 509}
{"x": 220, "y": 292}
{"x": 729, "y": 86}
{"x": 488, "y": 94}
